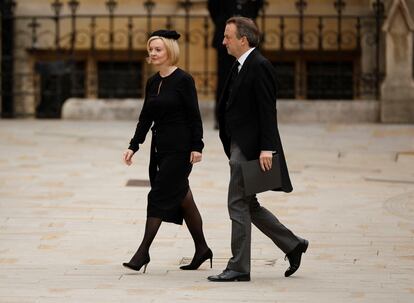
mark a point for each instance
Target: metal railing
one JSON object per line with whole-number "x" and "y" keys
{"x": 49, "y": 58}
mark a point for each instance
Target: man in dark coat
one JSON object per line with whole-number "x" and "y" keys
{"x": 248, "y": 130}
{"x": 220, "y": 11}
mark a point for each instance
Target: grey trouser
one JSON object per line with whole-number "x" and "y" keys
{"x": 243, "y": 211}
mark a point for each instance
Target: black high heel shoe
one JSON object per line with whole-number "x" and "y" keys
{"x": 137, "y": 266}
{"x": 196, "y": 262}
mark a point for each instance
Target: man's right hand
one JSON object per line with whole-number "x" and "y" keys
{"x": 128, "y": 156}
{"x": 265, "y": 160}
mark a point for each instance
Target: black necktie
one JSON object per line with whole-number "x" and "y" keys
{"x": 233, "y": 75}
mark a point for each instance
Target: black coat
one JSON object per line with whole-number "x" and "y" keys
{"x": 248, "y": 117}
{"x": 172, "y": 111}
{"x": 221, "y": 10}
{"x": 171, "y": 108}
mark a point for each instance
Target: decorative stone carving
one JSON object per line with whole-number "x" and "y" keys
{"x": 397, "y": 91}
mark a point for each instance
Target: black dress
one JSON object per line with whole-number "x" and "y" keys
{"x": 171, "y": 108}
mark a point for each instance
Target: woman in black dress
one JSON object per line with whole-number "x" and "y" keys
{"x": 171, "y": 108}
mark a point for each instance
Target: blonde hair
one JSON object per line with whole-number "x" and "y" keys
{"x": 171, "y": 45}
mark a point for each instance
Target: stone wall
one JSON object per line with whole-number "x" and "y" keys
{"x": 357, "y": 111}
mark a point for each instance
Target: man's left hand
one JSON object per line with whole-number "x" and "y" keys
{"x": 265, "y": 160}
{"x": 195, "y": 157}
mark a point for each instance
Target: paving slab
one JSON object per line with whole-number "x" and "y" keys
{"x": 68, "y": 219}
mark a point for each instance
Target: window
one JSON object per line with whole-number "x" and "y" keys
{"x": 316, "y": 75}
{"x": 329, "y": 80}
{"x": 120, "y": 80}
{"x": 59, "y": 80}
{"x": 285, "y": 77}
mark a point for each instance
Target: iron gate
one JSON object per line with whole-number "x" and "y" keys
{"x": 46, "y": 59}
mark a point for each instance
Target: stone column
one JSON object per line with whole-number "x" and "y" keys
{"x": 397, "y": 90}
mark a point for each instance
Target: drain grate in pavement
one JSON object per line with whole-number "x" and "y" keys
{"x": 138, "y": 183}
{"x": 405, "y": 154}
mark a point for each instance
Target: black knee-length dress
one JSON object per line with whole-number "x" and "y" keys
{"x": 171, "y": 108}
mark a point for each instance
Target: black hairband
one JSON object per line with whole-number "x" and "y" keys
{"x": 166, "y": 34}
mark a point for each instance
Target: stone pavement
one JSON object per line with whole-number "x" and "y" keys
{"x": 68, "y": 220}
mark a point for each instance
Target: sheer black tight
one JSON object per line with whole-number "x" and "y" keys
{"x": 151, "y": 228}
{"x": 194, "y": 224}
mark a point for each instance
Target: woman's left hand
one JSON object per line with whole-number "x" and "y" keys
{"x": 195, "y": 157}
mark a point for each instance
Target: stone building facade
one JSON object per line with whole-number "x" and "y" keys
{"x": 331, "y": 55}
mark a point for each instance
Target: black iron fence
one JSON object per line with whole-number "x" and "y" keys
{"x": 47, "y": 59}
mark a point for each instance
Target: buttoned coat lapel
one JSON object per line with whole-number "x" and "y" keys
{"x": 240, "y": 78}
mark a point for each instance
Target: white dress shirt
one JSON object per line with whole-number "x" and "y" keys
{"x": 244, "y": 57}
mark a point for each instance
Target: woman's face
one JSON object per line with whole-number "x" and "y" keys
{"x": 158, "y": 52}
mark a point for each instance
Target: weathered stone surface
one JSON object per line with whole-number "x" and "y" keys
{"x": 328, "y": 111}
{"x": 68, "y": 220}
{"x": 289, "y": 110}
{"x": 90, "y": 109}
{"x": 397, "y": 90}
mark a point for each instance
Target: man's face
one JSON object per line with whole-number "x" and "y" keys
{"x": 231, "y": 42}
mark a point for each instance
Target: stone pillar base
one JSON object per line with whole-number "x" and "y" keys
{"x": 397, "y": 111}
{"x": 397, "y": 102}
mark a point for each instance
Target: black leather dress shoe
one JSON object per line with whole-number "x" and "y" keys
{"x": 230, "y": 276}
{"x": 295, "y": 256}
